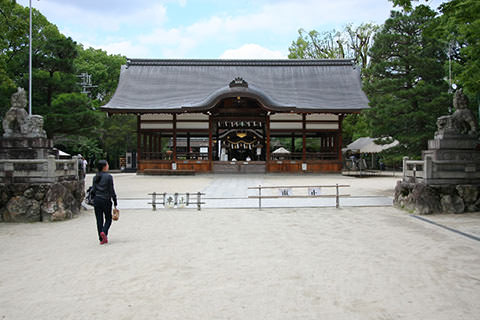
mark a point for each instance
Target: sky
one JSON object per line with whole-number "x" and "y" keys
{"x": 207, "y": 29}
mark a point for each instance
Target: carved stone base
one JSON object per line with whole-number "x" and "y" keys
{"x": 25, "y": 148}
{"x": 460, "y": 143}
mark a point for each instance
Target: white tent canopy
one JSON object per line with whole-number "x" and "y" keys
{"x": 281, "y": 150}
{"x": 368, "y": 145}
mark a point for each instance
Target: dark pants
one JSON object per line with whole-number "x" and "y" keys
{"x": 103, "y": 207}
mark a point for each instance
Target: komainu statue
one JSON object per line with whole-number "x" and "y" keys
{"x": 17, "y": 123}
{"x": 461, "y": 122}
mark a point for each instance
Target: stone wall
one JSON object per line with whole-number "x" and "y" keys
{"x": 26, "y": 202}
{"x": 420, "y": 198}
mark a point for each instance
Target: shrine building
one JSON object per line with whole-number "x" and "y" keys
{"x": 238, "y": 115}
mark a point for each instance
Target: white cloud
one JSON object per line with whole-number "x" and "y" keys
{"x": 140, "y": 27}
{"x": 125, "y": 48}
{"x": 252, "y": 51}
{"x": 280, "y": 19}
{"x": 91, "y": 20}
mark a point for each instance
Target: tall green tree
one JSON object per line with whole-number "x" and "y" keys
{"x": 11, "y": 29}
{"x": 71, "y": 114}
{"x": 405, "y": 79}
{"x": 316, "y": 45}
{"x": 52, "y": 55}
{"x": 459, "y": 26}
{"x": 104, "y": 70}
{"x": 352, "y": 43}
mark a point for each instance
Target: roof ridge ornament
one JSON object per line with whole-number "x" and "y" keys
{"x": 238, "y": 82}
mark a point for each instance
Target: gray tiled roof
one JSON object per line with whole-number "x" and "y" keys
{"x": 281, "y": 85}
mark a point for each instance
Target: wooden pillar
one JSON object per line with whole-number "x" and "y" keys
{"x": 304, "y": 137}
{"x": 267, "y": 151}
{"x": 139, "y": 139}
{"x": 210, "y": 138}
{"x": 339, "y": 137}
{"x": 188, "y": 145}
{"x": 150, "y": 145}
{"x": 144, "y": 147}
{"x": 155, "y": 144}
{"x": 174, "y": 138}
{"x": 160, "y": 145}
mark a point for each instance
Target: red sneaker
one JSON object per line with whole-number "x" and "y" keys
{"x": 104, "y": 238}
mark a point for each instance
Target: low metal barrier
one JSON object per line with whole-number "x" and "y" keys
{"x": 176, "y": 199}
{"x": 313, "y": 192}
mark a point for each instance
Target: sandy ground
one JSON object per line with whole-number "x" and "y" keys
{"x": 347, "y": 263}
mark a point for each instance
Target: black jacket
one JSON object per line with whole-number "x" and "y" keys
{"x": 103, "y": 187}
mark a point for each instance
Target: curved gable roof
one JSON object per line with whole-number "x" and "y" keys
{"x": 280, "y": 85}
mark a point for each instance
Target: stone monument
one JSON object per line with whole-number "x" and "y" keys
{"x": 447, "y": 179}
{"x": 34, "y": 185}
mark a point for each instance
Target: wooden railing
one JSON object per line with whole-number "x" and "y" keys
{"x": 169, "y": 156}
{"x": 38, "y": 170}
{"x": 308, "y": 156}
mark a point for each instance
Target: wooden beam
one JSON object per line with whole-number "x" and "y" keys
{"x": 267, "y": 151}
{"x": 160, "y": 145}
{"x": 188, "y": 144}
{"x": 304, "y": 137}
{"x": 174, "y": 123}
{"x": 139, "y": 141}
{"x": 210, "y": 139}
{"x": 150, "y": 144}
{"x": 144, "y": 145}
{"x": 339, "y": 137}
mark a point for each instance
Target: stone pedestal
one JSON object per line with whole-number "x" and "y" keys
{"x": 455, "y": 159}
{"x": 448, "y": 178}
{"x": 25, "y": 148}
{"x": 35, "y": 186}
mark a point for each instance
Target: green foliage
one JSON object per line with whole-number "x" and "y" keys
{"x": 405, "y": 79}
{"x": 71, "y": 114}
{"x": 459, "y": 26}
{"x": 315, "y": 45}
{"x": 407, "y": 5}
{"x": 352, "y": 43}
{"x": 88, "y": 147}
{"x": 355, "y": 126}
{"x": 7, "y": 88}
{"x": 104, "y": 69}
{"x": 119, "y": 136}
{"x": 69, "y": 117}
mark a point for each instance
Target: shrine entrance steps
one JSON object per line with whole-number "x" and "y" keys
{"x": 239, "y": 167}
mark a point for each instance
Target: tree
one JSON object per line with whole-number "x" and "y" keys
{"x": 104, "y": 70}
{"x": 11, "y": 29}
{"x": 353, "y": 43}
{"x": 315, "y": 45}
{"x": 52, "y": 55}
{"x": 460, "y": 28}
{"x": 405, "y": 79}
{"x": 118, "y": 136}
{"x": 407, "y": 5}
{"x": 360, "y": 41}
{"x": 71, "y": 114}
